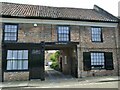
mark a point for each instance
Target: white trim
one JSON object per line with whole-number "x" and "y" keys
{"x": 58, "y": 22}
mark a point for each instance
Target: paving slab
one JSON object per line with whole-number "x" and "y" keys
{"x": 57, "y": 79}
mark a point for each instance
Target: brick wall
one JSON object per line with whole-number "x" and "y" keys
{"x": 108, "y": 38}
{"x": 108, "y": 45}
{"x": 48, "y": 33}
{"x": 29, "y": 33}
{"x": 75, "y": 34}
{"x": 69, "y": 61}
{"x": 43, "y": 32}
{"x": 99, "y": 72}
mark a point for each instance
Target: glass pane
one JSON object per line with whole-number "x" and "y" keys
{"x": 96, "y": 31}
{"x": 7, "y": 34}
{"x": 7, "y": 29}
{"x": 15, "y": 26}
{"x": 5, "y": 38}
{"x": 60, "y": 31}
{"x": 25, "y": 64}
{"x": 67, "y": 31}
{"x": 13, "y": 30}
{"x": 67, "y": 28}
{"x": 9, "y": 54}
{"x": 19, "y": 64}
{"x": 25, "y": 54}
{"x": 20, "y": 54}
{"x": 13, "y": 38}
{"x": 15, "y": 54}
{"x": 8, "y": 26}
{"x": 14, "y": 64}
{"x": 13, "y": 34}
{"x": 93, "y": 30}
{"x": 91, "y": 55}
{"x": 9, "y": 65}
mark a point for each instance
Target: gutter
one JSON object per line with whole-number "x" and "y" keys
{"x": 59, "y": 18}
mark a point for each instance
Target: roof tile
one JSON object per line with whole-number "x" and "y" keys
{"x": 25, "y": 10}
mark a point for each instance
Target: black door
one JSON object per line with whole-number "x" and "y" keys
{"x": 36, "y": 65}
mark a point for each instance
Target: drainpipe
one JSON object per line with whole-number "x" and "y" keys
{"x": 79, "y": 53}
{"x": 117, "y": 46}
{"x": 118, "y": 51}
{"x": 79, "y": 65}
{"x": 43, "y": 52}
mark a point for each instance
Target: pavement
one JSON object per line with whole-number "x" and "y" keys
{"x": 54, "y": 79}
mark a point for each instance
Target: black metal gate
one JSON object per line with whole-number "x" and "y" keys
{"x": 37, "y": 62}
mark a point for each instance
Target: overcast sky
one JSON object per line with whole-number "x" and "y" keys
{"x": 109, "y": 5}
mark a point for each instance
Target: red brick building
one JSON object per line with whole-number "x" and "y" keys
{"x": 88, "y": 39}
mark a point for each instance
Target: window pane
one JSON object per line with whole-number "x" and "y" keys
{"x": 9, "y": 54}
{"x": 15, "y": 54}
{"x": 60, "y": 31}
{"x": 25, "y": 64}
{"x": 19, "y": 64}
{"x": 15, "y": 65}
{"x": 13, "y": 30}
{"x": 6, "y": 38}
{"x": 7, "y": 29}
{"x": 13, "y": 38}
{"x": 25, "y": 54}
{"x": 9, "y": 65}
{"x": 7, "y": 34}
{"x": 20, "y": 54}
{"x": 13, "y": 34}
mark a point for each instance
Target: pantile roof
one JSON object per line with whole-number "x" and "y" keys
{"x": 37, "y": 11}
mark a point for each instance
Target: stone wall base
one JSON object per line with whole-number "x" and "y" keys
{"x": 16, "y": 76}
{"x": 98, "y": 73}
